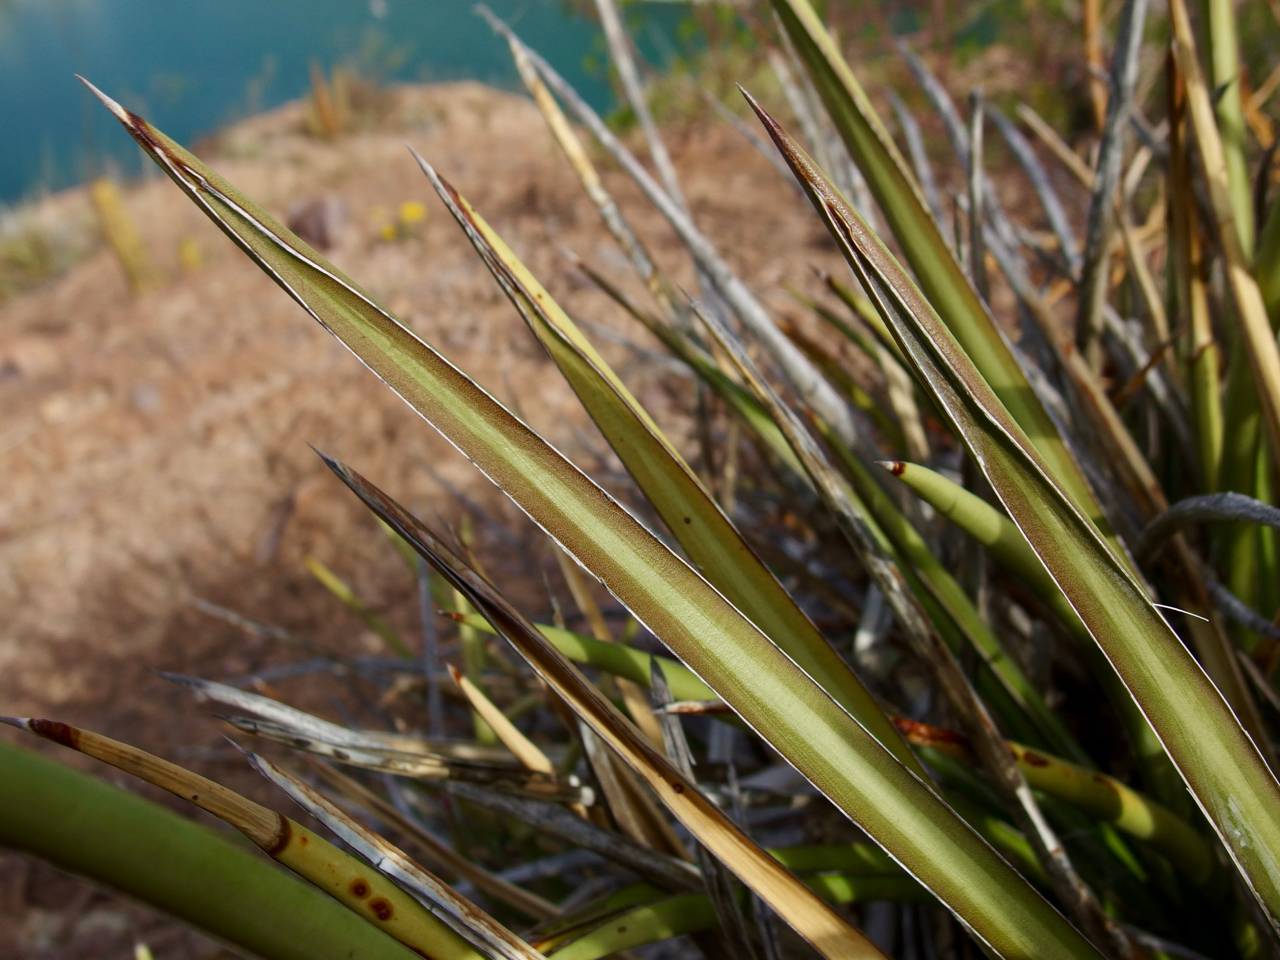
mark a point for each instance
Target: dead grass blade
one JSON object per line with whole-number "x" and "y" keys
{"x": 1215, "y": 756}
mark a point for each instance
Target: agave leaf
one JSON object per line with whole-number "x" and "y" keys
{"x": 738, "y": 398}
{"x": 305, "y": 852}
{"x": 1214, "y": 755}
{"x": 1014, "y": 698}
{"x": 711, "y": 541}
{"x": 1102, "y": 797}
{"x": 711, "y": 265}
{"x": 930, "y": 258}
{"x": 444, "y": 856}
{"x": 1110, "y": 800}
{"x": 927, "y": 640}
{"x": 824, "y": 929}
{"x": 765, "y": 687}
{"x": 466, "y": 919}
{"x": 988, "y": 526}
{"x": 169, "y": 862}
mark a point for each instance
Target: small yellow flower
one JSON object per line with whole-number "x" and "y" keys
{"x": 412, "y": 212}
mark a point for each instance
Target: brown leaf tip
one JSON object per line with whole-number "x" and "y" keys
{"x": 766, "y": 118}
{"x": 120, "y": 113}
{"x": 138, "y": 127}
{"x": 896, "y": 467}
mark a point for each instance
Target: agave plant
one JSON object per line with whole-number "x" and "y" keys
{"x": 1090, "y": 479}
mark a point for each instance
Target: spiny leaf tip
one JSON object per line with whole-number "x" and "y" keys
{"x": 118, "y": 111}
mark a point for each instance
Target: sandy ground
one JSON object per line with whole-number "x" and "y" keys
{"x": 154, "y": 449}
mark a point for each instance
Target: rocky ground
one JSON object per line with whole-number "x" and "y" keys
{"x": 154, "y": 447}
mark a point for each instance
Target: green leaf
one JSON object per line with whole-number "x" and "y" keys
{"x": 710, "y": 540}
{"x": 760, "y": 682}
{"x": 333, "y": 870}
{"x": 941, "y": 277}
{"x": 822, "y": 927}
{"x": 1212, "y": 752}
{"x": 988, "y": 526}
{"x": 129, "y": 844}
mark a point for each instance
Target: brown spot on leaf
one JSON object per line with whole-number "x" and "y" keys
{"x": 359, "y": 888}
{"x": 678, "y": 787}
{"x": 381, "y": 908}
{"x": 1033, "y": 759}
{"x": 927, "y": 735}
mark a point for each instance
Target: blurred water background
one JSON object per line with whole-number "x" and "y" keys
{"x": 194, "y": 65}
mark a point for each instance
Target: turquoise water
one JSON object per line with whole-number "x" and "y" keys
{"x": 191, "y": 66}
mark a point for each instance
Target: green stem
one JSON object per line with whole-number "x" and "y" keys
{"x": 174, "y": 865}
{"x": 1219, "y": 20}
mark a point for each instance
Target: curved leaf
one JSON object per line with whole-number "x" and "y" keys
{"x": 941, "y": 278}
{"x": 764, "y": 686}
{"x": 1213, "y": 753}
{"x": 713, "y": 544}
